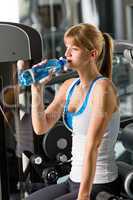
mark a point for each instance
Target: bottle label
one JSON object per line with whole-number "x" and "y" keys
{"x": 32, "y": 74}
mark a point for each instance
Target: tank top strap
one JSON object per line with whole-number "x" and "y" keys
{"x": 93, "y": 85}
{"x": 91, "y": 89}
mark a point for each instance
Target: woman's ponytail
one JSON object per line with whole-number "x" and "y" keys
{"x": 106, "y": 66}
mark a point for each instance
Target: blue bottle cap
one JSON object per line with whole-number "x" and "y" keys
{"x": 62, "y": 61}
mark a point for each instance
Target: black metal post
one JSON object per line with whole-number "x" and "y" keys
{"x": 3, "y": 159}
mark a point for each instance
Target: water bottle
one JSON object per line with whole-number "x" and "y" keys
{"x": 35, "y": 74}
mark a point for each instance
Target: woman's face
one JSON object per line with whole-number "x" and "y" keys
{"x": 76, "y": 56}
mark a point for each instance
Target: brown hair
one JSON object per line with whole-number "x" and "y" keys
{"x": 90, "y": 37}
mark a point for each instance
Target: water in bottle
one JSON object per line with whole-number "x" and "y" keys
{"x": 35, "y": 74}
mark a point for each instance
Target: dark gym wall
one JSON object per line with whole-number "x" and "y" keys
{"x": 106, "y": 16}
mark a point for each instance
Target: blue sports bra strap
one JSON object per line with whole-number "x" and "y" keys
{"x": 82, "y": 108}
{"x": 75, "y": 82}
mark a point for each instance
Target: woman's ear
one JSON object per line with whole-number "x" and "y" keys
{"x": 94, "y": 53}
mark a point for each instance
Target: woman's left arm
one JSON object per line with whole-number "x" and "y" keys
{"x": 104, "y": 104}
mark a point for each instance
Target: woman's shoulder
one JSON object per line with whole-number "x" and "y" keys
{"x": 105, "y": 94}
{"x": 69, "y": 82}
{"x": 105, "y": 84}
{"x": 65, "y": 86}
{"x": 104, "y": 88}
{"x": 106, "y": 91}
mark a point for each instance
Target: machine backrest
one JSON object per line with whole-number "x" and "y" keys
{"x": 19, "y": 41}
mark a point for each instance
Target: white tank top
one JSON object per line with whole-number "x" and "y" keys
{"x": 106, "y": 168}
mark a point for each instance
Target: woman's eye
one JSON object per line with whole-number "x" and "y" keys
{"x": 75, "y": 48}
{"x": 72, "y": 48}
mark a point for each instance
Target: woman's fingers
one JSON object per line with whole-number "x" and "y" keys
{"x": 46, "y": 79}
{"x": 20, "y": 65}
{"x": 41, "y": 63}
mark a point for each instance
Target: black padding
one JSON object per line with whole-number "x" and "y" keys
{"x": 124, "y": 169}
{"x": 34, "y": 41}
{"x": 126, "y": 173}
{"x": 127, "y": 137}
{"x": 125, "y": 121}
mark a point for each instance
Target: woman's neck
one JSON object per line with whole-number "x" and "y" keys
{"x": 86, "y": 77}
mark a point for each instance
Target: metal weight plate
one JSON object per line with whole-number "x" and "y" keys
{"x": 57, "y": 141}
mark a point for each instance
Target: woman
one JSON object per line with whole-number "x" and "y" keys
{"x": 89, "y": 105}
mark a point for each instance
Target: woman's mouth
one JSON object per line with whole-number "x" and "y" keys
{"x": 69, "y": 61}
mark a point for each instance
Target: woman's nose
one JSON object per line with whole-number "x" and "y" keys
{"x": 67, "y": 52}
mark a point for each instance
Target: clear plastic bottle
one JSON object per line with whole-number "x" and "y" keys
{"x": 35, "y": 74}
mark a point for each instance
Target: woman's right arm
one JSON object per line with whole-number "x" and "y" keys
{"x": 44, "y": 119}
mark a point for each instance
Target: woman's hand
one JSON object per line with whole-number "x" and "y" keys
{"x": 83, "y": 197}
{"x": 22, "y": 65}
